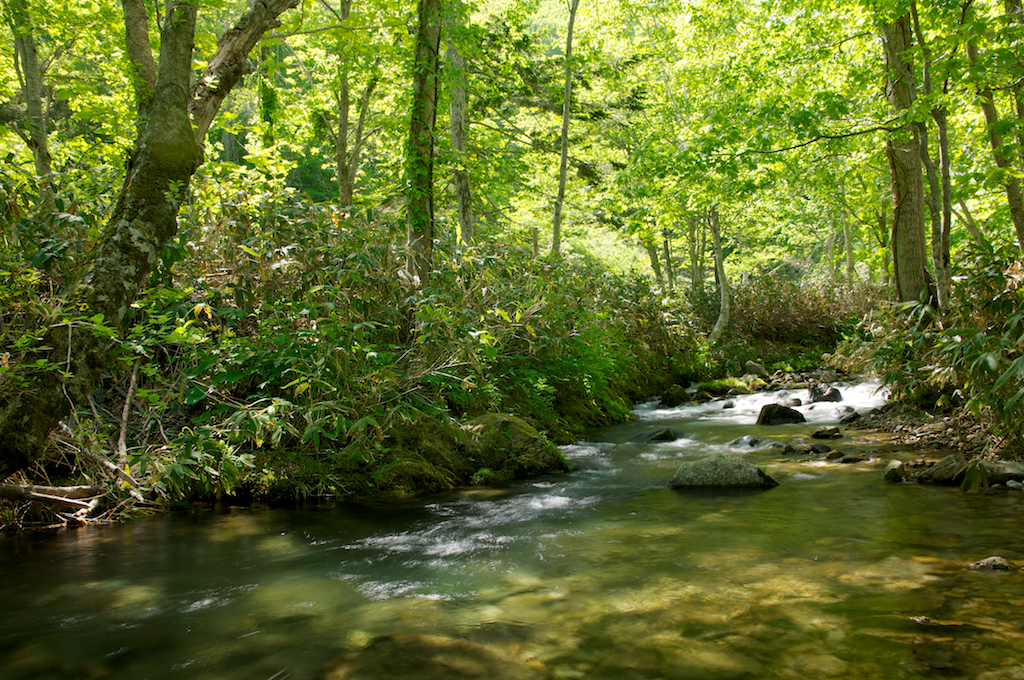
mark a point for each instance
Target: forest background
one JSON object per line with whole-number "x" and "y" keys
{"x": 288, "y": 249}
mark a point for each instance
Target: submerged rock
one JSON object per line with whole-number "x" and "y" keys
{"x": 995, "y": 562}
{"x": 776, "y": 414}
{"x": 827, "y": 433}
{"x": 747, "y": 440}
{"x": 665, "y": 434}
{"x": 426, "y": 657}
{"x": 722, "y": 472}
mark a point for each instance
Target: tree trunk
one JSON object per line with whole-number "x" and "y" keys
{"x": 1011, "y": 183}
{"x": 652, "y": 253}
{"x": 972, "y": 227}
{"x": 903, "y": 151}
{"x": 31, "y": 75}
{"x": 459, "y": 126}
{"x": 563, "y": 168}
{"x": 342, "y": 104}
{"x": 670, "y": 272}
{"x": 725, "y": 311}
{"x": 1015, "y": 13}
{"x": 420, "y": 146}
{"x": 939, "y": 190}
{"x": 140, "y": 54}
{"x": 166, "y": 154}
{"x": 851, "y": 262}
{"x": 695, "y": 282}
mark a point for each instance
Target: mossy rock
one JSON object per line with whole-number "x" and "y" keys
{"x": 509, "y": 448}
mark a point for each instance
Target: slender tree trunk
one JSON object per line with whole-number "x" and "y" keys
{"x": 341, "y": 138}
{"x": 670, "y": 272}
{"x": 166, "y": 154}
{"x": 702, "y": 249}
{"x": 1015, "y": 13}
{"x": 652, "y": 253}
{"x": 972, "y": 227}
{"x": 725, "y": 312}
{"x": 343, "y": 106}
{"x": 1011, "y": 183}
{"x": 37, "y": 116}
{"x": 903, "y": 150}
{"x": 851, "y": 262}
{"x": 563, "y": 168}
{"x": 696, "y": 282}
{"x": 420, "y": 147}
{"x": 939, "y": 188}
{"x": 459, "y": 126}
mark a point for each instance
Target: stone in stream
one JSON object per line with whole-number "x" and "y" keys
{"x": 827, "y": 433}
{"x": 822, "y": 392}
{"x": 720, "y": 472}
{"x": 995, "y": 562}
{"x": 776, "y": 414}
{"x": 944, "y": 472}
{"x": 1003, "y": 471}
{"x": 675, "y": 396}
{"x": 849, "y": 418}
{"x": 426, "y": 657}
{"x": 665, "y": 434}
{"x": 747, "y": 440}
{"x": 895, "y": 471}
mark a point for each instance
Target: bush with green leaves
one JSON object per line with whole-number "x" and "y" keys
{"x": 970, "y": 357}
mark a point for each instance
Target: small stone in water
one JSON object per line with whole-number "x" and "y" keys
{"x": 994, "y": 562}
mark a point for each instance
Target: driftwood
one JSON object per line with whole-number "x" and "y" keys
{"x": 68, "y": 496}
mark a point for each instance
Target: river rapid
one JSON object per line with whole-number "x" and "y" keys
{"x": 601, "y": 573}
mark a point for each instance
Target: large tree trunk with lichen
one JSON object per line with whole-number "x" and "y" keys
{"x": 903, "y": 151}
{"x": 459, "y": 126}
{"x": 420, "y": 146}
{"x": 63, "y": 369}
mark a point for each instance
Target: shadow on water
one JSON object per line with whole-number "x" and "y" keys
{"x": 601, "y": 573}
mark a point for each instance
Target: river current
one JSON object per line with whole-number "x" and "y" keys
{"x": 601, "y": 573}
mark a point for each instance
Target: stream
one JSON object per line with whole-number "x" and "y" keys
{"x": 603, "y": 573}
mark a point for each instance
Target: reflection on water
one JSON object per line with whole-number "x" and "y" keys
{"x": 602, "y": 573}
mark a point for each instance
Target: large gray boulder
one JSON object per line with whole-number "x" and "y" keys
{"x": 1003, "y": 471}
{"x": 720, "y": 472}
{"x": 777, "y": 414}
{"x": 757, "y": 369}
{"x": 944, "y": 472}
{"x": 822, "y": 392}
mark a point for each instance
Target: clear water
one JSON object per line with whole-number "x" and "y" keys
{"x": 601, "y": 573}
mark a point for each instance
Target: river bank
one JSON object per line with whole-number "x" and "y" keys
{"x": 603, "y": 573}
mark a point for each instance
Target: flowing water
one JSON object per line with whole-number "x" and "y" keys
{"x": 601, "y": 573}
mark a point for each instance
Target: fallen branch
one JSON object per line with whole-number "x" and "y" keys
{"x": 109, "y": 467}
{"x": 69, "y": 496}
